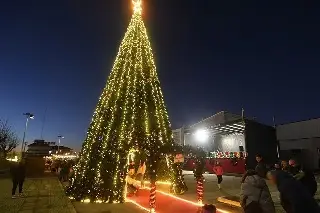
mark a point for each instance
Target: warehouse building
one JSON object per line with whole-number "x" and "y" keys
{"x": 301, "y": 141}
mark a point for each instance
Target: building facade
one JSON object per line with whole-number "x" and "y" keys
{"x": 39, "y": 148}
{"x": 301, "y": 141}
{"x": 229, "y": 137}
{"x": 44, "y": 148}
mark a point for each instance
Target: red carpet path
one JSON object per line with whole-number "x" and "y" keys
{"x": 164, "y": 203}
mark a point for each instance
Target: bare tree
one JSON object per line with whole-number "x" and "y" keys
{"x": 8, "y": 139}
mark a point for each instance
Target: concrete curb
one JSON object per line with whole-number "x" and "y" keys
{"x": 185, "y": 172}
{"x": 70, "y": 205}
{"x": 229, "y": 202}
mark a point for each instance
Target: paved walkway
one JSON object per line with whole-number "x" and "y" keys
{"x": 107, "y": 208}
{"x": 167, "y": 204}
{"x": 230, "y": 187}
{"x": 42, "y": 195}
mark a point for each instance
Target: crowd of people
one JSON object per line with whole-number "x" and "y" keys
{"x": 63, "y": 168}
{"x": 296, "y": 185}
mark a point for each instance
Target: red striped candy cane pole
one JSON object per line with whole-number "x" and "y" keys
{"x": 152, "y": 199}
{"x": 200, "y": 190}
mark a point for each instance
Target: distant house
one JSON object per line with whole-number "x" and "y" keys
{"x": 39, "y": 148}
{"x": 62, "y": 150}
{"x": 44, "y": 148}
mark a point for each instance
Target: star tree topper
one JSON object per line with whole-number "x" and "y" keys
{"x": 137, "y": 6}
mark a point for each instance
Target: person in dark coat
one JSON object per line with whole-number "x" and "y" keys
{"x": 261, "y": 168}
{"x": 18, "y": 174}
{"x": 64, "y": 173}
{"x": 293, "y": 195}
{"x": 307, "y": 178}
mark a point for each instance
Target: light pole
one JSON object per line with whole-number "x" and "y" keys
{"x": 59, "y": 141}
{"x": 28, "y": 116}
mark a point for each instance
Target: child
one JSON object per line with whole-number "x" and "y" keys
{"x": 219, "y": 172}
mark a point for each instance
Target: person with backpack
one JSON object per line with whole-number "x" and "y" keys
{"x": 255, "y": 196}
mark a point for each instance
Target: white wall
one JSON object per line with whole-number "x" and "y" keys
{"x": 231, "y": 143}
{"x": 310, "y": 144}
{"x": 298, "y": 130}
{"x": 303, "y": 135}
{"x": 296, "y": 144}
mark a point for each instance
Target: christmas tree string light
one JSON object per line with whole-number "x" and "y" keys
{"x": 130, "y": 115}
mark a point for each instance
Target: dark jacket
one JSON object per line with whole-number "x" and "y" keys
{"x": 294, "y": 169}
{"x": 307, "y": 178}
{"x": 18, "y": 171}
{"x": 261, "y": 169}
{"x": 294, "y": 196}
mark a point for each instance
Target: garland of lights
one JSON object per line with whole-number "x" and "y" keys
{"x": 219, "y": 154}
{"x": 130, "y": 114}
{"x": 198, "y": 173}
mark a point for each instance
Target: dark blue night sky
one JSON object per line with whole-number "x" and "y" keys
{"x": 210, "y": 55}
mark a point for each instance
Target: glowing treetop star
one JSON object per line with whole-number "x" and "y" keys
{"x": 137, "y": 6}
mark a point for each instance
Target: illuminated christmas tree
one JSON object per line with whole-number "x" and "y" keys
{"x": 130, "y": 115}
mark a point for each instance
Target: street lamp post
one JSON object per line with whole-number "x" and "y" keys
{"x": 25, "y": 145}
{"x": 28, "y": 116}
{"x": 59, "y": 141}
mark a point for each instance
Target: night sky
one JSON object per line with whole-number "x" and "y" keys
{"x": 210, "y": 56}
